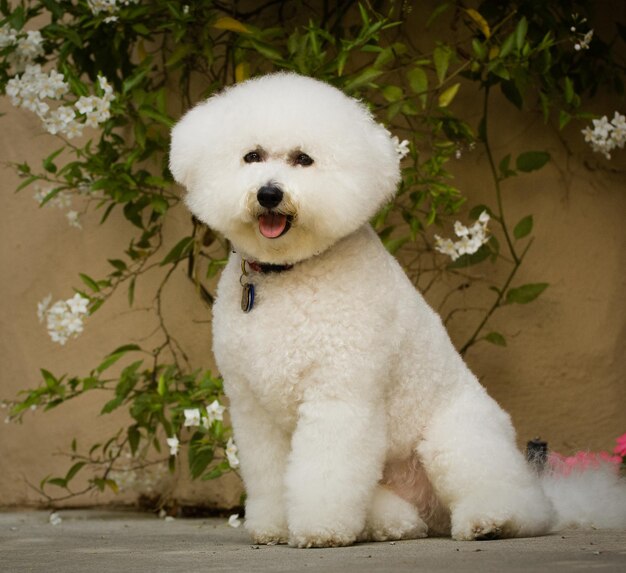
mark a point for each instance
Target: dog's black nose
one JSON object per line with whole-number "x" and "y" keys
{"x": 269, "y": 196}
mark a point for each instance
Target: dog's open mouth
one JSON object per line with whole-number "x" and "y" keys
{"x": 273, "y": 225}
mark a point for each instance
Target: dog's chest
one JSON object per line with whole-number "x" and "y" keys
{"x": 276, "y": 347}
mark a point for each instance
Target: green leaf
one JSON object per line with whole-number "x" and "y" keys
{"x": 214, "y": 473}
{"x": 131, "y": 291}
{"x": 59, "y": 482}
{"x": 162, "y": 385}
{"x": 134, "y": 437}
{"x": 156, "y": 116}
{"x": 200, "y": 456}
{"x": 392, "y": 93}
{"x": 477, "y": 210}
{"x": 418, "y": 81}
{"x": 365, "y": 77}
{"x": 27, "y": 182}
{"x": 520, "y": 33}
{"x": 112, "y": 405}
{"x": 118, "y": 264}
{"x": 524, "y": 227}
{"x": 532, "y": 160}
{"x": 49, "y": 379}
{"x": 505, "y": 170}
{"x": 159, "y": 204}
{"x": 93, "y": 285}
{"x": 392, "y": 245}
{"x": 512, "y": 93}
{"x": 115, "y": 356}
{"x": 441, "y": 57}
{"x": 507, "y": 46}
{"x": 48, "y": 162}
{"x": 469, "y": 260}
{"x": 445, "y": 99}
{"x": 134, "y": 80}
{"x": 230, "y": 24}
{"x": 74, "y": 470}
{"x": 526, "y": 293}
{"x": 479, "y": 49}
{"x": 437, "y": 12}
{"x": 267, "y": 50}
{"x": 179, "y": 250}
{"x": 496, "y": 338}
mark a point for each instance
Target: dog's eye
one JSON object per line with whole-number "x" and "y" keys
{"x": 303, "y": 159}
{"x": 252, "y": 157}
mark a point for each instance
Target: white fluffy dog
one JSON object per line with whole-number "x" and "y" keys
{"x": 354, "y": 415}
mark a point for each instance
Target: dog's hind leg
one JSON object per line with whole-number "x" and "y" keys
{"x": 471, "y": 458}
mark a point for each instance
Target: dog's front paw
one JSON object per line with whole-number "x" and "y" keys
{"x": 321, "y": 538}
{"x": 265, "y": 534}
{"x": 391, "y": 518}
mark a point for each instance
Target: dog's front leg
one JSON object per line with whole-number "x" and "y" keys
{"x": 336, "y": 461}
{"x": 263, "y": 451}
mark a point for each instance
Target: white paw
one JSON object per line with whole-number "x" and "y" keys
{"x": 482, "y": 528}
{"x": 321, "y": 538}
{"x": 516, "y": 512}
{"x": 267, "y": 534}
{"x": 391, "y": 518}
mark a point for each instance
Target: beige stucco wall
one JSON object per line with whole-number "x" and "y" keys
{"x": 561, "y": 375}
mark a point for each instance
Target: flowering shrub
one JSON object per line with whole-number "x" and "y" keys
{"x": 98, "y": 74}
{"x": 606, "y": 135}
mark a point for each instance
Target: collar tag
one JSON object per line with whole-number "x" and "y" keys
{"x": 247, "y": 289}
{"x": 247, "y": 297}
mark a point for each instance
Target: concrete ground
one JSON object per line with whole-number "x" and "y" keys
{"x": 93, "y": 541}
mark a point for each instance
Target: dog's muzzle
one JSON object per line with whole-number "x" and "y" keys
{"x": 272, "y": 223}
{"x": 269, "y": 196}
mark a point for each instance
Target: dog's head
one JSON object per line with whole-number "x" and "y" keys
{"x": 283, "y": 166}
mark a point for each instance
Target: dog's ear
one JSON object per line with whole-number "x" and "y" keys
{"x": 186, "y": 145}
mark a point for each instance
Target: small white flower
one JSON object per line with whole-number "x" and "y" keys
{"x": 74, "y": 129}
{"x": 231, "y": 454}
{"x": 192, "y": 417}
{"x": 215, "y": 411}
{"x": 460, "y": 230}
{"x": 106, "y": 87}
{"x": 234, "y": 520}
{"x": 446, "y": 247}
{"x": 73, "y": 219}
{"x": 92, "y": 119}
{"x": 64, "y": 319}
{"x": 85, "y": 104}
{"x": 606, "y": 135}
{"x": 78, "y": 304}
{"x": 42, "y": 307}
{"x": 470, "y": 239}
{"x": 402, "y": 147}
{"x": 29, "y": 47}
{"x": 8, "y": 36}
{"x": 173, "y": 444}
{"x": 55, "y": 519}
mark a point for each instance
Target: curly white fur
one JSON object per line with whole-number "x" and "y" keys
{"x": 354, "y": 415}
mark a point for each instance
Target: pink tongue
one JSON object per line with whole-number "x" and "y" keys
{"x": 272, "y": 225}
